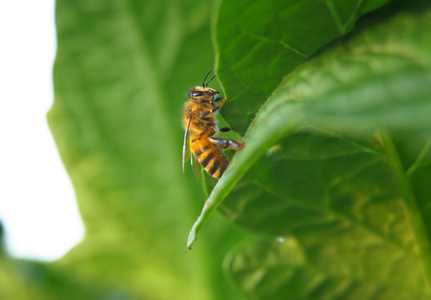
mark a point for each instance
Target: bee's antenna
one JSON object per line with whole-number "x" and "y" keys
{"x": 210, "y": 80}
{"x": 205, "y": 78}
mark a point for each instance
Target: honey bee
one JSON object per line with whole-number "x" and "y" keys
{"x": 200, "y": 125}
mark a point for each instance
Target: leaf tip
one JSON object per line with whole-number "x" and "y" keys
{"x": 191, "y": 239}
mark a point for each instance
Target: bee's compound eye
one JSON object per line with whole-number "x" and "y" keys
{"x": 196, "y": 94}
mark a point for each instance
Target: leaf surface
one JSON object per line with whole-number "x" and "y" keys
{"x": 335, "y": 165}
{"x": 259, "y": 42}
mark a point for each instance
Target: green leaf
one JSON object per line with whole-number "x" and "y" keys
{"x": 273, "y": 30}
{"x": 344, "y": 182}
{"x": 288, "y": 269}
{"x": 259, "y": 42}
{"x": 327, "y": 182}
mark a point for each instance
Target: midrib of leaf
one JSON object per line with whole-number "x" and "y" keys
{"x": 412, "y": 211}
{"x": 173, "y": 35}
{"x": 150, "y": 76}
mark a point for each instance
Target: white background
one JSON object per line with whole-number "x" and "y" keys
{"x": 37, "y": 203}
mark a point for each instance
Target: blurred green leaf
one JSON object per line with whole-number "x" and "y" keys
{"x": 121, "y": 73}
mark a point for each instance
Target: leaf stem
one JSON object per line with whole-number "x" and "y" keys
{"x": 412, "y": 211}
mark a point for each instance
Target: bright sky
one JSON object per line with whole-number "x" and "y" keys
{"x": 37, "y": 202}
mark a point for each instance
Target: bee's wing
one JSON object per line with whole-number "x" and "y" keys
{"x": 186, "y": 144}
{"x": 195, "y": 166}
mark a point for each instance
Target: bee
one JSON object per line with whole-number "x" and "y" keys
{"x": 200, "y": 125}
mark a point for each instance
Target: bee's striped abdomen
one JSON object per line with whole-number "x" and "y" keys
{"x": 209, "y": 155}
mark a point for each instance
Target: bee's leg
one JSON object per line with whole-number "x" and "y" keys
{"x": 221, "y": 103}
{"x": 224, "y": 129}
{"x": 213, "y": 110}
{"x": 226, "y": 143}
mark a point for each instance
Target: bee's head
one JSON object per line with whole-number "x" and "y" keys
{"x": 199, "y": 93}
{"x": 203, "y": 93}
